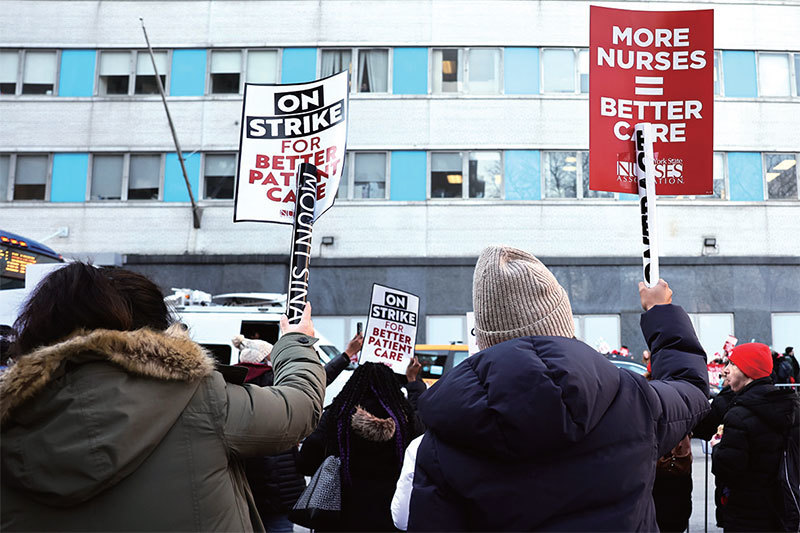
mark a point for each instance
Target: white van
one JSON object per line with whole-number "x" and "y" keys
{"x": 213, "y": 321}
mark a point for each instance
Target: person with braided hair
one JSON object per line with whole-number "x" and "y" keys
{"x": 368, "y": 426}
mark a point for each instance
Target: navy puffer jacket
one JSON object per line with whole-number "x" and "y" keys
{"x": 544, "y": 433}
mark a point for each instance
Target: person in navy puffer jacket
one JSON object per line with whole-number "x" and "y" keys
{"x": 538, "y": 431}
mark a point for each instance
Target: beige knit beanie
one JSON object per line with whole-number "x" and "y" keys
{"x": 515, "y": 295}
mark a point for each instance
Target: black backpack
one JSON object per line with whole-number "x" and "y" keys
{"x": 789, "y": 474}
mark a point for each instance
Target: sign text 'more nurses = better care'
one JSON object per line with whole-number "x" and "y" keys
{"x": 656, "y": 67}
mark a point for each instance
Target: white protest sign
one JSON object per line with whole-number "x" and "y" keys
{"x": 282, "y": 127}
{"x": 391, "y": 328}
{"x": 472, "y": 340}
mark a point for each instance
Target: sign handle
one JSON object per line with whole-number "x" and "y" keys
{"x": 300, "y": 258}
{"x": 645, "y": 177}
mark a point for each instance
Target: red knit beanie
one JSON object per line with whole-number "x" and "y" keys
{"x": 753, "y": 358}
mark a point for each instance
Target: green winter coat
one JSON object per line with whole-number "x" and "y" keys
{"x": 135, "y": 430}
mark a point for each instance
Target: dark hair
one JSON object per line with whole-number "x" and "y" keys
{"x": 81, "y": 296}
{"x": 371, "y": 381}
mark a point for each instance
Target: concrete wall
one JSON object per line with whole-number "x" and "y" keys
{"x": 419, "y": 229}
{"x": 760, "y": 24}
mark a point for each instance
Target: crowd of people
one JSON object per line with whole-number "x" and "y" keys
{"x": 114, "y": 419}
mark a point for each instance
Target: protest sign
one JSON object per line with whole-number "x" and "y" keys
{"x": 391, "y": 328}
{"x": 472, "y": 340}
{"x": 282, "y": 127}
{"x": 655, "y": 67}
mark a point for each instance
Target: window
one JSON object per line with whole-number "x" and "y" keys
{"x": 106, "y": 181}
{"x": 781, "y": 176}
{"x": 365, "y": 174}
{"x": 712, "y": 330}
{"x": 9, "y": 71}
{"x": 126, "y": 177}
{"x": 144, "y": 179}
{"x": 796, "y": 73}
{"x": 226, "y": 68}
{"x": 720, "y": 190}
{"x": 31, "y": 175}
{"x": 446, "y": 329}
{"x": 773, "y": 74}
{"x": 333, "y": 61}
{"x": 5, "y": 170}
{"x": 467, "y": 70}
{"x": 262, "y": 66}
{"x": 484, "y": 171}
{"x": 369, "y": 175}
{"x": 566, "y": 175}
{"x": 114, "y": 73}
{"x": 785, "y": 331}
{"x": 598, "y": 331}
{"x": 717, "y": 73}
{"x": 565, "y": 70}
{"x": 145, "y": 75}
{"x": 218, "y": 176}
{"x": 372, "y": 74}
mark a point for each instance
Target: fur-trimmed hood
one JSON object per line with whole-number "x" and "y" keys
{"x": 169, "y": 355}
{"x": 370, "y": 427}
{"x": 74, "y": 425}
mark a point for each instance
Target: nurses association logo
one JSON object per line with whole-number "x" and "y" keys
{"x": 668, "y": 170}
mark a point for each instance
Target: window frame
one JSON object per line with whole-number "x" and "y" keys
{"x": 790, "y": 73}
{"x": 464, "y": 332}
{"x": 246, "y": 53}
{"x": 464, "y": 68}
{"x": 576, "y": 74}
{"x": 21, "y": 53}
{"x": 579, "y": 155}
{"x": 720, "y": 73}
{"x": 242, "y": 66}
{"x": 202, "y": 184}
{"x": 580, "y": 328}
{"x": 464, "y": 153}
{"x": 694, "y": 319}
{"x": 12, "y": 175}
{"x": 354, "y": 57}
{"x": 133, "y": 62}
{"x": 765, "y": 184}
{"x": 126, "y": 171}
{"x": 772, "y": 317}
{"x": 350, "y": 165}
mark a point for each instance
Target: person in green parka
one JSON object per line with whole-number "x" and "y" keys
{"x": 113, "y": 420}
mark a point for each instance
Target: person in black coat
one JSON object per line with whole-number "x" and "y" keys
{"x": 275, "y": 480}
{"x": 757, "y": 419}
{"x": 538, "y": 431}
{"x": 368, "y": 426}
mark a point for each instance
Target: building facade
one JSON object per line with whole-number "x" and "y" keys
{"x": 468, "y": 126}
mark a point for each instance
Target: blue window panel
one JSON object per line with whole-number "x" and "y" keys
{"x": 299, "y": 65}
{"x": 410, "y": 73}
{"x": 523, "y": 175}
{"x": 521, "y": 70}
{"x": 174, "y": 186}
{"x": 739, "y": 71}
{"x": 409, "y": 176}
{"x": 69, "y": 177}
{"x": 77, "y": 73}
{"x": 745, "y": 176}
{"x": 628, "y": 197}
{"x": 188, "y": 77}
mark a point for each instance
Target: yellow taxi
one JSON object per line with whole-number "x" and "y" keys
{"x": 438, "y": 359}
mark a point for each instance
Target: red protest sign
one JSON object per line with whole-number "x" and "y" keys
{"x": 657, "y": 67}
